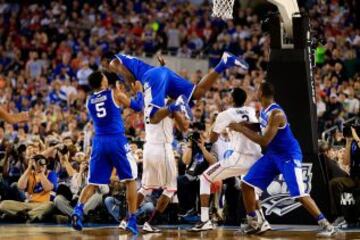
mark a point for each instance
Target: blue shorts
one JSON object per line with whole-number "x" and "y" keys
{"x": 263, "y": 172}
{"x": 161, "y": 82}
{"x": 108, "y": 152}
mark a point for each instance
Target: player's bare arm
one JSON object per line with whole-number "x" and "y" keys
{"x": 136, "y": 103}
{"x": 276, "y": 120}
{"x": 118, "y": 68}
{"x": 13, "y": 118}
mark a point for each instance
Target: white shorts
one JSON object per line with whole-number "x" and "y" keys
{"x": 159, "y": 167}
{"x": 233, "y": 166}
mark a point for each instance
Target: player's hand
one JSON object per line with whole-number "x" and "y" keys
{"x": 22, "y": 117}
{"x": 137, "y": 86}
{"x": 161, "y": 60}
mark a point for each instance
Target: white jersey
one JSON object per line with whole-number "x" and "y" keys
{"x": 239, "y": 142}
{"x": 161, "y": 132}
{"x": 222, "y": 148}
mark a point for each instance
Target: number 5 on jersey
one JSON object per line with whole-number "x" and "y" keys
{"x": 100, "y": 110}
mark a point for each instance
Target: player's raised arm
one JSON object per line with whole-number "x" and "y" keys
{"x": 13, "y": 118}
{"x": 136, "y": 103}
{"x": 117, "y": 67}
{"x": 276, "y": 120}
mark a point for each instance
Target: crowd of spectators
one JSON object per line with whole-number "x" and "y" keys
{"x": 49, "y": 48}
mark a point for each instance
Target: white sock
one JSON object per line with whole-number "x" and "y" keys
{"x": 204, "y": 214}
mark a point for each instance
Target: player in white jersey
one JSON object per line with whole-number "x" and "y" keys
{"x": 159, "y": 164}
{"x": 245, "y": 152}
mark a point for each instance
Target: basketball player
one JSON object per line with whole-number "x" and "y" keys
{"x": 283, "y": 156}
{"x": 160, "y": 170}
{"x": 245, "y": 153}
{"x": 161, "y": 82}
{"x": 109, "y": 148}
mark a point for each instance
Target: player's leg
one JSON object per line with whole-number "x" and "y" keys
{"x": 227, "y": 61}
{"x": 164, "y": 163}
{"x": 126, "y": 168}
{"x": 292, "y": 172}
{"x": 259, "y": 177}
{"x": 99, "y": 173}
{"x": 221, "y": 170}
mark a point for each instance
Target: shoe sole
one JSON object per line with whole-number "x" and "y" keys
{"x": 200, "y": 230}
{"x": 74, "y": 224}
{"x": 147, "y": 231}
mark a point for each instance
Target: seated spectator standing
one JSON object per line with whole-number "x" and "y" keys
{"x": 37, "y": 182}
{"x": 346, "y": 184}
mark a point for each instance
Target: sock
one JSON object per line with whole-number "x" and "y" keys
{"x": 220, "y": 67}
{"x": 204, "y": 214}
{"x": 252, "y": 214}
{"x": 80, "y": 206}
{"x": 320, "y": 217}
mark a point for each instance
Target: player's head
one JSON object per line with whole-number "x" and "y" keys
{"x": 266, "y": 91}
{"x": 98, "y": 80}
{"x": 239, "y": 97}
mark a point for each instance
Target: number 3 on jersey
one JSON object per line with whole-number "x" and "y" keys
{"x": 245, "y": 117}
{"x": 100, "y": 110}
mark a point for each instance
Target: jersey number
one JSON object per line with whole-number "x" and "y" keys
{"x": 245, "y": 117}
{"x": 100, "y": 110}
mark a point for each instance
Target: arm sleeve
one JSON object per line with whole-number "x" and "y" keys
{"x": 137, "y": 103}
{"x": 222, "y": 121}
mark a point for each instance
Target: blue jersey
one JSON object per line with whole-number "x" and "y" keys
{"x": 284, "y": 142}
{"x": 137, "y": 67}
{"x": 105, "y": 113}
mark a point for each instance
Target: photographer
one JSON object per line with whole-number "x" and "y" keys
{"x": 37, "y": 181}
{"x": 15, "y": 162}
{"x": 197, "y": 157}
{"x": 351, "y": 160}
{"x": 68, "y": 193}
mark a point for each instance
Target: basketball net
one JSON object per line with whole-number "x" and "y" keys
{"x": 223, "y": 9}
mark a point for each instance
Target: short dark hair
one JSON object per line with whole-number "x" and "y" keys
{"x": 95, "y": 79}
{"x": 267, "y": 90}
{"x": 239, "y": 97}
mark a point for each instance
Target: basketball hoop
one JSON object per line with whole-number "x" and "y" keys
{"x": 223, "y": 9}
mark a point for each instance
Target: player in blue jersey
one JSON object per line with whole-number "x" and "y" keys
{"x": 161, "y": 82}
{"x": 109, "y": 147}
{"x": 283, "y": 156}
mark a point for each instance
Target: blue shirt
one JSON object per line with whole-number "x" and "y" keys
{"x": 137, "y": 67}
{"x": 105, "y": 113}
{"x": 284, "y": 142}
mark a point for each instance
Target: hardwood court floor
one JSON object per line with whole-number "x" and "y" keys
{"x": 61, "y": 232}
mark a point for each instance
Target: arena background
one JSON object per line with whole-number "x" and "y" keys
{"x": 292, "y": 77}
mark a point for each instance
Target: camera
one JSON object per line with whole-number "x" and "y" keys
{"x": 194, "y": 136}
{"x": 347, "y": 130}
{"x": 62, "y": 148}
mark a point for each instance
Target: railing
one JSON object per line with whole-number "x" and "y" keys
{"x": 327, "y": 133}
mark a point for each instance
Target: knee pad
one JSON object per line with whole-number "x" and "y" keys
{"x": 145, "y": 192}
{"x": 168, "y": 193}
